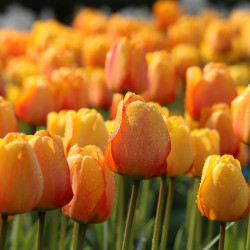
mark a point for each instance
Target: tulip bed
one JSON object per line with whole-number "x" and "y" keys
{"x": 126, "y": 133}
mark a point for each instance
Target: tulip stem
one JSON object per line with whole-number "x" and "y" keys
{"x": 41, "y": 222}
{"x": 62, "y": 232}
{"x": 83, "y": 229}
{"x": 74, "y": 236}
{"x": 4, "y": 231}
{"x": 121, "y": 205}
{"x": 164, "y": 234}
{"x": 248, "y": 234}
{"x": 222, "y": 235}
{"x": 158, "y": 217}
{"x": 131, "y": 212}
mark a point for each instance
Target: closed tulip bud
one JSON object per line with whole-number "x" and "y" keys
{"x": 57, "y": 190}
{"x": 200, "y": 91}
{"x": 205, "y": 142}
{"x": 85, "y": 127}
{"x": 240, "y": 109}
{"x": 111, "y": 125}
{"x": 93, "y": 186}
{"x": 117, "y": 97}
{"x": 223, "y": 194}
{"x": 181, "y": 155}
{"x": 21, "y": 180}
{"x": 163, "y": 110}
{"x": 162, "y": 77}
{"x": 37, "y": 99}
{"x": 7, "y": 117}
{"x": 218, "y": 117}
{"x": 126, "y": 67}
{"x": 140, "y": 142}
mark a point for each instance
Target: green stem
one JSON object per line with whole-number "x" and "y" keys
{"x": 189, "y": 203}
{"x": 210, "y": 230}
{"x": 145, "y": 193}
{"x": 83, "y": 229}
{"x": 53, "y": 239}
{"x": 198, "y": 230}
{"x": 131, "y": 212}
{"x": 222, "y": 235}
{"x": 74, "y": 236}
{"x": 16, "y": 232}
{"x": 193, "y": 213}
{"x": 33, "y": 128}
{"x": 121, "y": 205}
{"x": 164, "y": 234}
{"x": 248, "y": 234}
{"x": 105, "y": 235}
{"x": 41, "y": 221}
{"x": 158, "y": 217}
{"x": 62, "y": 232}
{"x": 4, "y": 231}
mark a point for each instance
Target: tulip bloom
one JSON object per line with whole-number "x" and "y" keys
{"x": 93, "y": 186}
{"x": 117, "y": 97}
{"x": 85, "y": 127}
{"x": 7, "y": 118}
{"x": 181, "y": 155}
{"x": 201, "y": 86}
{"x": 218, "y": 117}
{"x": 57, "y": 190}
{"x": 126, "y": 67}
{"x": 205, "y": 142}
{"x": 223, "y": 194}
{"x": 162, "y": 78}
{"x": 140, "y": 142}
{"x": 21, "y": 180}
{"x": 240, "y": 109}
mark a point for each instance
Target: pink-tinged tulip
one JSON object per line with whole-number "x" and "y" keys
{"x": 37, "y": 99}
{"x": 57, "y": 190}
{"x": 72, "y": 88}
{"x": 205, "y": 142}
{"x": 140, "y": 142}
{"x": 224, "y": 194}
{"x": 99, "y": 94}
{"x": 206, "y": 88}
{"x": 240, "y": 109}
{"x": 117, "y": 97}
{"x": 7, "y": 118}
{"x": 21, "y": 180}
{"x": 162, "y": 77}
{"x": 181, "y": 155}
{"x": 93, "y": 186}
{"x": 218, "y": 117}
{"x": 85, "y": 127}
{"x": 126, "y": 67}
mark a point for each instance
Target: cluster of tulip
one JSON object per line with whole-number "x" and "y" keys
{"x": 53, "y": 74}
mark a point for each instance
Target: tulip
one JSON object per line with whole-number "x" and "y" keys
{"x": 205, "y": 142}
{"x": 7, "y": 117}
{"x": 166, "y": 13}
{"x": 21, "y": 180}
{"x": 111, "y": 125}
{"x": 223, "y": 194}
{"x": 240, "y": 73}
{"x": 240, "y": 109}
{"x": 37, "y": 99}
{"x": 126, "y": 67}
{"x": 163, "y": 110}
{"x": 162, "y": 78}
{"x": 57, "y": 190}
{"x": 201, "y": 86}
{"x": 218, "y": 117}
{"x": 85, "y": 127}
{"x": 93, "y": 186}
{"x": 140, "y": 143}
{"x": 181, "y": 155}
{"x": 243, "y": 156}
{"x": 117, "y": 97}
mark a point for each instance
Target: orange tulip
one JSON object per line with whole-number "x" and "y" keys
{"x": 21, "y": 180}
{"x": 205, "y": 142}
{"x": 37, "y": 99}
{"x": 7, "y": 117}
{"x": 140, "y": 142}
{"x": 85, "y": 127}
{"x": 93, "y": 186}
{"x": 244, "y": 155}
{"x": 57, "y": 190}
{"x": 117, "y": 97}
{"x": 126, "y": 67}
{"x": 162, "y": 78}
{"x": 181, "y": 155}
{"x": 206, "y": 88}
{"x": 218, "y": 117}
{"x": 240, "y": 109}
{"x": 223, "y": 194}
